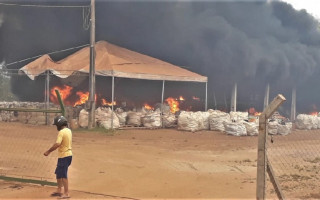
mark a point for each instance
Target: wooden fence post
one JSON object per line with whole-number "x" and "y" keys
{"x": 262, "y": 138}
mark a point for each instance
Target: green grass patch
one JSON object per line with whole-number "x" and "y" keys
{"x": 26, "y": 180}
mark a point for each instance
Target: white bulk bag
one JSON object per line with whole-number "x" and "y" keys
{"x": 235, "y": 128}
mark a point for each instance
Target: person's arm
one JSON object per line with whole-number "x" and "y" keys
{"x": 54, "y": 147}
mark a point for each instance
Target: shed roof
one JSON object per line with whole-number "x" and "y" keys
{"x": 112, "y": 60}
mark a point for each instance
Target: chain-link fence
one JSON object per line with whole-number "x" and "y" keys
{"x": 21, "y": 151}
{"x": 294, "y": 157}
{"x": 295, "y": 160}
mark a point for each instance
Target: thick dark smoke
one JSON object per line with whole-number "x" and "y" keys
{"x": 250, "y": 43}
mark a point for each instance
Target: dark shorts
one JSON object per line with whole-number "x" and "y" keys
{"x": 62, "y": 167}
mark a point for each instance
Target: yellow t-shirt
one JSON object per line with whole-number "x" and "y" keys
{"x": 65, "y": 139}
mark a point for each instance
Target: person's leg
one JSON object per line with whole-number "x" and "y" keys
{"x": 60, "y": 185}
{"x": 65, "y": 178}
{"x": 66, "y": 187}
{"x": 59, "y": 180}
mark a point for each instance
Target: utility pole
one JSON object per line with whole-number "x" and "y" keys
{"x": 92, "y": 78}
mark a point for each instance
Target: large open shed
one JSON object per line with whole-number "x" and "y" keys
{"x": 112, "y": 61}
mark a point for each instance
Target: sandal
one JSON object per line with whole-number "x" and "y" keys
{"x": 64, "y": 197}
{"x": 56, "y": 194}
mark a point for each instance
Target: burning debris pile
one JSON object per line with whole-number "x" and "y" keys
{"x": 233, "y": 123}
{"x": 146, "y": 116}
{"x": 164, "y": 115}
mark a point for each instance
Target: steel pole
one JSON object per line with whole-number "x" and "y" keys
{"x": 206, "y": 101}
{"x": 112, "y": 100}
{"x": 47, "y": 96}
{"x": 215, "y": 100}
{"x": 233, "y": 106}
{"x": 162, "y": 97}
{"x": 266, "y": 97}
{"x": 293, "y": 105}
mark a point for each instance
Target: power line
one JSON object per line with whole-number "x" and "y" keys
{"x": 43, "y": 6}
{"x": 12, "y": 63}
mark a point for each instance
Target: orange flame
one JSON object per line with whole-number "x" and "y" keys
{"x": 196, "y": 98}
{"x": 257, "y": 114}
{"x": 83, "y": 98}
{"x": 174, "y": 104}
{"x": 252, "y": 111}
{"x": 181, "y": 98}
{"x": 64, "y": 91}
{"x": 314, "y": 113}
{"x": 104, "y": 102}
{"x": 148, "y": 107}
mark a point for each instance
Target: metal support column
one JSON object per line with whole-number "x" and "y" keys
{"x": 206, "y": 101}
{"x": 161, "y": 107}
{"x": 266, "y": 97}
{"x": 293, "y": 105}
{"x": 215, "y": 101}
{"x": 112, "y": 100}
{"x": 47, "y": 96}
{"x": 233, "y": 105}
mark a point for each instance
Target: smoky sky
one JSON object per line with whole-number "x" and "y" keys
{"x": 251, "y": 43}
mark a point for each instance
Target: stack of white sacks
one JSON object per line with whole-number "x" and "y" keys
{"x": 307, "y": 122}
{"x": 233, "y": 123}
{"x": 103, "y": 117}
{"x": 193, "y": 121}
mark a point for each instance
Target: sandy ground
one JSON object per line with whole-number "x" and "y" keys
{"x": 135, "y": 164}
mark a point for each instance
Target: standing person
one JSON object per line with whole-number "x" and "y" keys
{"x": 63, "y": 144}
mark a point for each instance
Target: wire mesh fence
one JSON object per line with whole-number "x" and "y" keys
{"x": 294, "y": 157}
{"x": 295, "y": 160}
{"x": 21, "y": 151}
{"x": 24, "y": 137}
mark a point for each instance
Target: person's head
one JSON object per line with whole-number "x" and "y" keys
{"x": 60, "y": 122}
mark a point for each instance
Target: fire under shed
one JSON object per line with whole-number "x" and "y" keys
{"x": 112, "y": 61}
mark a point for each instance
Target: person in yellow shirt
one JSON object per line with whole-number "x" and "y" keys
{"x": 64, "y": 146}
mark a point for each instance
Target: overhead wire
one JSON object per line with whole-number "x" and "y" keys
{"x": 43, "y": 6}
{"x": 19, "y": 61}
{"x": 85, "y": 17}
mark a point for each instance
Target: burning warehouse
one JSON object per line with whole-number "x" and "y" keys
{"x": 112, "y": 61}
{"x": 216, "y": 39}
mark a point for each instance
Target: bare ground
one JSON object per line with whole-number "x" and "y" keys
{"x": 138, "y": 164}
